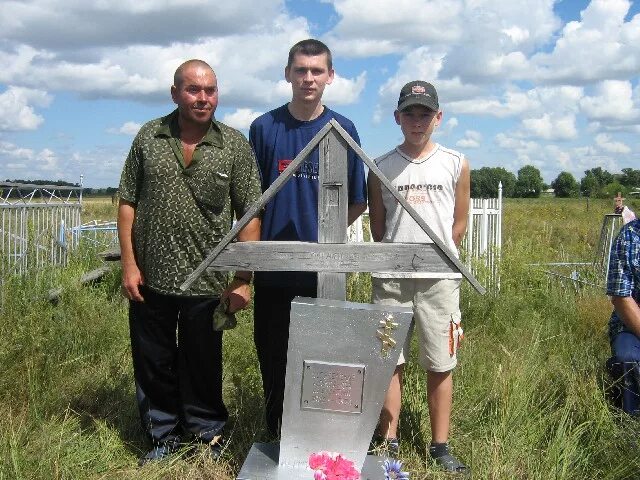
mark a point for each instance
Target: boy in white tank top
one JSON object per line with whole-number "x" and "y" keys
{"x": 436, "y": 183}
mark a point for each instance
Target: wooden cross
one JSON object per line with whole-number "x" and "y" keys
{"x": 332, "y": 256}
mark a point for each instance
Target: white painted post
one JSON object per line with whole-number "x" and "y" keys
{"x": 61, "y": 235}
{"x": 470, "y": 229}
{"x": 485, "y": 228}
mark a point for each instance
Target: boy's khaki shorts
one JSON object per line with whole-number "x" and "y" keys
{"x": 436, "y": 316}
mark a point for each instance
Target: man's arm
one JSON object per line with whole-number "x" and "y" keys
{"x": 629, "y": 312}
{"x": 462, "y": 200}
{"x": 239, "y": 290}
{"x": 131, "y": 275}
{"x": 245, "y": 186}
{"x": 377, "y": 212}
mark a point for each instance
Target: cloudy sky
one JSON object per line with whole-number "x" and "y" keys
{"x": 542, "y": 82}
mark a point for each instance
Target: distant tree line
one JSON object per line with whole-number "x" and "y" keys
{"x": 61, "y": 183}
{"x": 596, "y": 183}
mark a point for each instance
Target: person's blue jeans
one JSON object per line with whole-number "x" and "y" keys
{"x": 625, "y": 347}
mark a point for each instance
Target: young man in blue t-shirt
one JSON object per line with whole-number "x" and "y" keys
{"x": 277, "y": 137}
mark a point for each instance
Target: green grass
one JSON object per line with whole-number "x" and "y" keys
{"x": 529, "y": 389}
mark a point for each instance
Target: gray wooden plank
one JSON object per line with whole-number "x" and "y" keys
{"x": 332, "y": 197}
{"x": 332, "y": 285}
{"x": 383, "y": 180}
{"x": 327, "y": 257}
{"x": 332, "y": 209}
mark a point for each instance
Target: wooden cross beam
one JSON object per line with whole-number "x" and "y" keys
{"x": 331, "y": 256}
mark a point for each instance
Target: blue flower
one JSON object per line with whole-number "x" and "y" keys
{"x": 393, "y": 470}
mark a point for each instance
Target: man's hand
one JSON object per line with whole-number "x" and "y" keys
{"x": 131, "y": 280}
{"x": 239, "y": 294}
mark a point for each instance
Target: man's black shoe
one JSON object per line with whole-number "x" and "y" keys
{"x": 215, "y": 448}
{"x": 160, "y": 451}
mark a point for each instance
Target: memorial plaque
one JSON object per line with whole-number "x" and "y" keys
{"x": 332, "y": 387}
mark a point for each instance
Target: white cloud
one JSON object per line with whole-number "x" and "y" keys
{"x": 612, "y": 101}
{"x": 241, "y": 118}
{"x": 19, "y": 159}
{"x": 599, "y": 46}
{"x": 64, "y": 25}
{"x": 449, "y": 126}
{"x": 143, "y": 71}
{"x": 8, "y": 149}
{"x": 362, "y": 47}
{"x": 128, "y": 128}
{"x": 344, "y": 91}
{"x": 605, "y": 142}
{"x": 404, "y": 22}
{"x": 17, "y": 108}
{"x": 550, "y": 127}
{"x": 551, "y": 158}
{"x": 471, "y": 139}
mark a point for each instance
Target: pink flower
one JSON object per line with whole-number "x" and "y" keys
{"x": 319, "y": 460}
{"x": 332, "y": 466}
{"x": 319, "y": 475}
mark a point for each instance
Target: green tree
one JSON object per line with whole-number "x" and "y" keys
{"x": 594, "y": 181}
{"x": 601, "y": 175}
{"x": 485, "y": 181}
{"x": 529, "y": 183}
{"x": 589, "y": 186}
{"x": 611, "y": 190}
{"x": 565, "y": 185}
{"x": 630, "y": 178}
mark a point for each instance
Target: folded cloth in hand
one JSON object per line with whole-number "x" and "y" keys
{"x": 222, "y": 319}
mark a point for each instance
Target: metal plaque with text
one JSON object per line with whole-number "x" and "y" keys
{"x": 332, "y": 387}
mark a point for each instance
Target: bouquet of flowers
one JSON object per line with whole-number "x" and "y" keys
{"x": 332, "y": 466}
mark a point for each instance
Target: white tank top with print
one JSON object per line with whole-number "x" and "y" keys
{"x": 428, "y": 184}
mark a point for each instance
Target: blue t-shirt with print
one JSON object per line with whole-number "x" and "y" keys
{"x": 292, "y": 214}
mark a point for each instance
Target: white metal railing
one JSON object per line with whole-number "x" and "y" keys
{"x": 99, "y": 234}
{"x": 482, "y": 245}
{"x": 33, "y": 225}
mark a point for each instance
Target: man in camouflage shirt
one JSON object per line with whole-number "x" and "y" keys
{"x": 185, "y": 176}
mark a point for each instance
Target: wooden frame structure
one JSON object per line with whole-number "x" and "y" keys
{"x": 331, "y": 257}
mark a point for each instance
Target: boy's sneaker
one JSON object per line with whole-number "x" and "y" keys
{"x": 440, "y": 454}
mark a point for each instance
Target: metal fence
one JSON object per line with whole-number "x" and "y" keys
{"x": 35, "y": 225}
{"x": 482, "y": 245}
{"x": 103, "y": 235}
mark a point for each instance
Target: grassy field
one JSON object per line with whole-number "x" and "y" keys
{"x": 529, "y": 396}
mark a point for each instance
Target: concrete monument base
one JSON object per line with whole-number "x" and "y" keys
{"x": 262, "y": 464}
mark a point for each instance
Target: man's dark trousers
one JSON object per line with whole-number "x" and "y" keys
{"x": 178, "y": 380}
{"x": 271, "y": 316}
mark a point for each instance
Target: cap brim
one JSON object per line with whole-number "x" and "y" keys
{"x": 425, "y": 102}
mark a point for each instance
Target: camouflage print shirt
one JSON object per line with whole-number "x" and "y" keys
{"x": 182, "y": 213}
